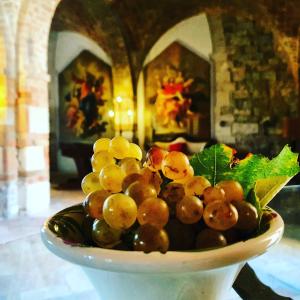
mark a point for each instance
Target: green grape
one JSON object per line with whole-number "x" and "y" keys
{"x": 91, "y": 183}
{"x": 188, "y": 175}
{"x": 210, "y": 238}
{"x": 93, "y": 203}
{"x": 128, "y": 234}
{"x": 87, "y": 229}
{"x": 233, "y": 190}
{"x": 196, "y": 185}
{"x": 153, "y": 211}
{"x": 119, "y": 147}
{"x": 248, "y": 216}
{"x": 232, "y": 235}
{"x": 130, "y": 165}
{"x": 135, "y": 151}
{"x": 175, "y": 165}
{"x": 140, "y": 191}
{"x": 101, "y": 144}
{"x": 220, "y": 215}
{"x": 152, "y": 177}
{"x": 129, "y": 179}
{"x": 101, "y": 159}
{"x": 105, "y": 236}
{"x": 172, "y": 193}
{"x": 111, "y": 178}
{"x": 149, "y": 238}
{"x": 119, "y": 211}
{"x": 181, "y": 236}
{"x": 189, "y": 210}
{"x": 213, "y": 193}
{"x": 154, "y": 158}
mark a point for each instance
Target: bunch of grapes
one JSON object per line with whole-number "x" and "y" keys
{"x": 160, "y": 205}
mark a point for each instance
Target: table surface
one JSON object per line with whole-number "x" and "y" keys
{"x": 29, "y": 271}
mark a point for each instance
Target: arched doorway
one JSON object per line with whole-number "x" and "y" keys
{"x": 73, "y": 61}
{"x": 32, "y": 85}
{"x": 192, "y": 34}
{"x": 75, "y": 43}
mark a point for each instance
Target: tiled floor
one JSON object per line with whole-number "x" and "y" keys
{"x": 24, "y": 226}
{"x": 29, "y": 271}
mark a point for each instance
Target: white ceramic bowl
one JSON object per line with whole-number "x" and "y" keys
{"x": 131, "y": 275}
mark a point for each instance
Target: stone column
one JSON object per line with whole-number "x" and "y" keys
{"x": 33, "y": 143}
{"x": 8, "y": 153}
{"x": 32, "y": 104}
{"x": 222, "y": 86}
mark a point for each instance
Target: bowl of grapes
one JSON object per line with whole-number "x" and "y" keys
{"x": 164, "y": 225}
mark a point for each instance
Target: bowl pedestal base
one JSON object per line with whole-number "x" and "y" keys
{"x": 213, "y": 284}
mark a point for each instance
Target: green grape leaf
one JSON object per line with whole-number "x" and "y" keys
{"x": 267, "y": 188}
{"x": 248, "y": 170}
{"x": 254, "y": 200}
{"x": 284, "y": 164}
{"x": 216, "y": 164}
{"x": 213, "y": 163}
{"x": 256, "y": 167}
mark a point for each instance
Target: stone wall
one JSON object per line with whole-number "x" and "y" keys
{"x": 255, "y": 88}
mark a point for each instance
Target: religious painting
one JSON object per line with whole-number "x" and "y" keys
{"x": 177, "y": 93}
{"x": 85, "y": 90}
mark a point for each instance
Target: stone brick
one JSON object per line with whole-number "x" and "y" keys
{"x": 38, "y": 119}
{"x": 7, "y": 115}
{"x": 223, "y": 130}
{"x": 9, "y": 204}
{"x": 32, "y": 158}
{"x": 24, "y": 139}
{"x": 22, "y": 117}
{"x": 238, "y": 74}
{"x": 242, "y": 93}
{"x": 7, "y": 136}
{"x": 228, "y": 118}
{"x": 8, "y": 159}
{"x": 271, "y": 75}
{"x": 245, "y": 128}
{"x": 226, "y": 110}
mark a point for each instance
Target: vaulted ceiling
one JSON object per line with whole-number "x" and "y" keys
{"x": 132, "y": 27}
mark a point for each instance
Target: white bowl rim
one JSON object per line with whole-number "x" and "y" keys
{"x": 172, "y": 261}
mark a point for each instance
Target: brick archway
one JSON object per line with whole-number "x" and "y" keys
{"x": 32, "y": 111}
{"x": 24, "y": 139}
{"x": 32, "y": 107}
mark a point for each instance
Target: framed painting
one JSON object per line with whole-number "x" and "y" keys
{"x": 177, "y": 95}
{"x": 85, "y": 97}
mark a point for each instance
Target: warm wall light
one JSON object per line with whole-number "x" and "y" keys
{"x": 123, "y": 114}
{"x": 119, "y": 99}
{"x": 3, "y": 104}
{"x": 111, "y": 113}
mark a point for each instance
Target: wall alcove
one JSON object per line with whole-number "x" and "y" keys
{"x": 177, "y": 95}
{"x": 184, "y": 51}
